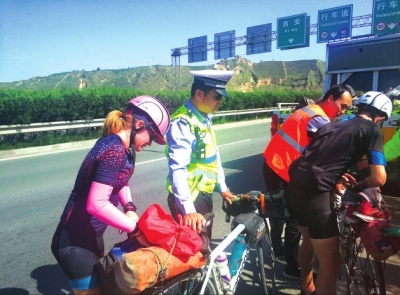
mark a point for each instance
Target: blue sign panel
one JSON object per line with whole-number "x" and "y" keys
{"x": 386, "y": 17}
{"x": 334, "y": 23}
{"x": 224, "y": 45}
{"x": 197, "y": 49}
{"x": 292, "y": 31}
{"x": 258, "y": 39}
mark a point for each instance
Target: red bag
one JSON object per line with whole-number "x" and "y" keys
{"x": 379, "y": 246}
{"x": 162, "y": 230}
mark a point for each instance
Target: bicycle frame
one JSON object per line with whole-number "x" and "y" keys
{"x": 213, "y": 256}
{"x": 363, "y": 274}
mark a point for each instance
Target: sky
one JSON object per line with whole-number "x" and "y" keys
{"x": 44, "y": 37}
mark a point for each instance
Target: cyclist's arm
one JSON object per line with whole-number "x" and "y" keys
{"x": 99, "y": 205}
{"x": 124, "y": 195}
{"x": 376, "y": 178}
{"x": 376, "y": 159}
{"x": 125, "y": 198}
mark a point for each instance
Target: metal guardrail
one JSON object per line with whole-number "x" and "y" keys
{"x": 63, "y": 125}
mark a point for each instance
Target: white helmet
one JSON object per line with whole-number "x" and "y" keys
{"x": 376, "y": 100}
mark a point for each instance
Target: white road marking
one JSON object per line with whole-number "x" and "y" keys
{"x": 217, "y": 127}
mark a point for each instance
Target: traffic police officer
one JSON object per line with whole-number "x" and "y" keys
{"x": 193, "y": 158}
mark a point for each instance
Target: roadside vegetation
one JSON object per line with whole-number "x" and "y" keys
{"x": 22, "y": 107}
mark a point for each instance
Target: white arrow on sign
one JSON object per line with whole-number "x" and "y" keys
{"x": 291, "y": 40}
{"x": 333, "y": 34}
{"x": 392, "y": 25}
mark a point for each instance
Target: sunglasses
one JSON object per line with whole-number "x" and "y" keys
{"x": 218, "y": 96}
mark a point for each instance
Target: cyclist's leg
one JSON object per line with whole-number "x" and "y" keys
{"x": 306, "y": 261}
{"x": 327, "y": 251}
{"x": 79, "y": 266}
{"x": 77, "y": 263}
{"x": 324, "y": 234}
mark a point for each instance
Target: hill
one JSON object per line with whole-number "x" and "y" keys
{"x": 301, "y": 74}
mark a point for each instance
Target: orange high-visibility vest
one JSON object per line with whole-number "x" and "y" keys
{"x": 290, "y": 140}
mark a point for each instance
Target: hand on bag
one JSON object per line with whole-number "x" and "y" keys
{"x": 227, "y": 195}
{"x": 391, "y": 231}
{"x": 194, "y": 221}
{"x": 132, "y": 215}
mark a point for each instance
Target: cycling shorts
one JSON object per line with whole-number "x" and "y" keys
{"x": 78, "y": 264}
{"x": 313, "y": 209}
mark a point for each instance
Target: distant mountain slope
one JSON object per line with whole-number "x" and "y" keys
{"x": 300, "y": 74}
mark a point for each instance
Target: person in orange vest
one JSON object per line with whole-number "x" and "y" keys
{"x": 286, "y": 146}
{"x": 314, "y": 175}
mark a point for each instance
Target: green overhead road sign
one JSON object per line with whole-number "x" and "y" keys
{"x": 292, "y": 31}
{"x": 386, "y": 17}
{"x": 334, "y": 23}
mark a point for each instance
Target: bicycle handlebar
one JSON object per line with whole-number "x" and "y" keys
{"x": 255, "y": 201}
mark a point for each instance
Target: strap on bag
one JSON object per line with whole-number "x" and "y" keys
{"x": 163, "y": 271}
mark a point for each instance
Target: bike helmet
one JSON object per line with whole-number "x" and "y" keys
{"x": 375, "y": 100}
{"x": 153, "y": 112}
{"x": 304, "y": 102}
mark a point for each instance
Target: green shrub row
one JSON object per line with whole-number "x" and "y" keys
{"x": 27, "y": 106}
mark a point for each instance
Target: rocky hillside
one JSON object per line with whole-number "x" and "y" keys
{"x": 301, "y": 74}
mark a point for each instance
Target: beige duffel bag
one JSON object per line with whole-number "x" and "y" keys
{"x": 144, "y": 267}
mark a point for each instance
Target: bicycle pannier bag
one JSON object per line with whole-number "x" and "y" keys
{"x": 255, "y": 226}
{"x": 106, "y": 265}
{"x": 162, "y": 230}
{"x": 144, "y": 267}
{"x": 377, "y": 245}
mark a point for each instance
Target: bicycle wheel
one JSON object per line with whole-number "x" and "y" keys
{"x": 266, "y": 263}
{"x": 194, "y": 288}
{"x": 361, "y": 270}
{"x": 188, "y": 283}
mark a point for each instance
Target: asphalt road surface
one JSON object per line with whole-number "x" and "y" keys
{"x": 34, "y": 190}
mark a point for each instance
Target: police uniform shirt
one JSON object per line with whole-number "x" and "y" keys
{"x": 181, "y": 143}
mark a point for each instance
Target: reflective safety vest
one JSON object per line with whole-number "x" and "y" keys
{"x": 290, "y": 140}
{"x": 203, "y": 166}
{"x": 391, "y": 148}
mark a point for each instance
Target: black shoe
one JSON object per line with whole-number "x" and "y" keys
{"x": 292, "y": 273}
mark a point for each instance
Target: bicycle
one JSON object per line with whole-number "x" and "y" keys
{"x": 207, "y": 279}
{"x": 363, "y": 274}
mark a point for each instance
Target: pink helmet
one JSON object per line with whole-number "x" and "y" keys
{"x": 157, "y": 112}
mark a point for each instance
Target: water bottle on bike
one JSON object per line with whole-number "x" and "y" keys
{"x": 236, "y": 257}
{"x": 223, "y": 268}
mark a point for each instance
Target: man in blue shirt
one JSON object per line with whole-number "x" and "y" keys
{"x": 194, "y": 162}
